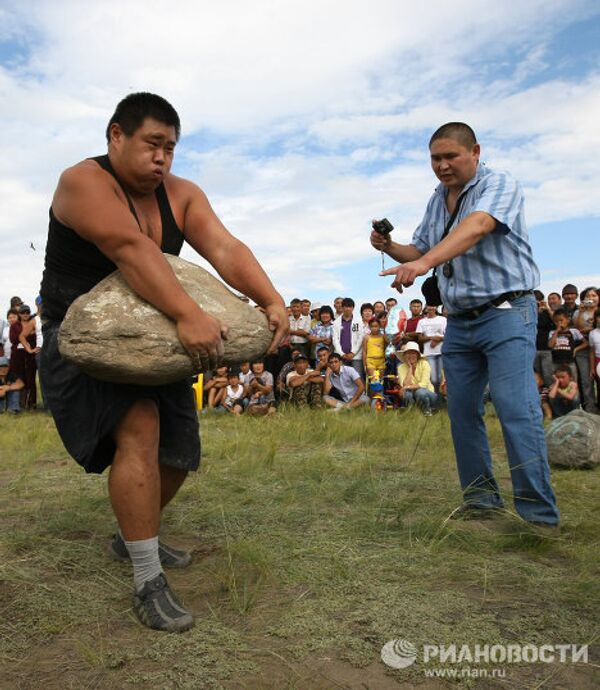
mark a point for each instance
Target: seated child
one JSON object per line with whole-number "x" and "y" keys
{"x": 564, "y": 392}
{"x": 234, "y": 393}
{"x": 214, "y": 388}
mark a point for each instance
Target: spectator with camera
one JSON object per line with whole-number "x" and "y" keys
{"x": 583, "y": 321}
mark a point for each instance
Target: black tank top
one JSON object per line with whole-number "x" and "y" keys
{"x": 73, "y": 265}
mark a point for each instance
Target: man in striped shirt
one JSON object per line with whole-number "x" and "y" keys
{"x": 486, "y": 275}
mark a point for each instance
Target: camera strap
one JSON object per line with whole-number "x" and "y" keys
{"x": 451, "y": 220}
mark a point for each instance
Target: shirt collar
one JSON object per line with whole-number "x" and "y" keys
{"x": 479, "y": 173}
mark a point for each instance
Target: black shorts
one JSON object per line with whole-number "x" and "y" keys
{"x": 86, "y": 411}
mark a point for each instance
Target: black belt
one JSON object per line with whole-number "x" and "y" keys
{"x": 496, "y": 302}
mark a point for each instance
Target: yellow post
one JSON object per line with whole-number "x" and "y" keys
{"x": 198, "y": 391}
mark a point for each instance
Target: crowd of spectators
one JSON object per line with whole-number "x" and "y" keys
{"x": 338, "y": 358}
{"x": 20, "y": 347}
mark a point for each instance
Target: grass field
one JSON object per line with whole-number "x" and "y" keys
{"x": 317, "y": 538}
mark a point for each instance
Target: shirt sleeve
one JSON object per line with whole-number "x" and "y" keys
{"x": 501, "y": 197}
{"x": 576, "y": 334}
{"x": 353, "y": 374}
{"x": 419, "y": 328}
{"x": 420, "y": 238}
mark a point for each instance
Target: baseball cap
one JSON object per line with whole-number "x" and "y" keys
{"x": 24, "y": 309}
{"x": 315, "y": 305}
{"x": 300, "y": 356}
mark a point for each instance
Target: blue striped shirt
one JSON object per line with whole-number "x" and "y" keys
{"x": 501, "y": 261}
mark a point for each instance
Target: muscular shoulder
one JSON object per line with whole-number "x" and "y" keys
{"x": 79, "y": 181}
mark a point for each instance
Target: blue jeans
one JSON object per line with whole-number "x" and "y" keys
{"x": 422, "y": 397}
{"x": 11, "y": 402}
{"x": 499, "y": 347}
{"x": 435, "y": 363}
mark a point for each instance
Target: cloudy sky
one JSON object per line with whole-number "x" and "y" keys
{"x": 302, "y": 121}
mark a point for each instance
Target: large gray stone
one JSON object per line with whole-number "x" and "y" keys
{"x": 114, "y": 335}
{"x": 574, "y": 440}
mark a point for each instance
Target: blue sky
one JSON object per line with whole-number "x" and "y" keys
{"x": 304, "y": 121}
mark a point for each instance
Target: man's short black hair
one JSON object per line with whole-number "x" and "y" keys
{"x": 570, "y": 289}
{"x": 136, "y": 107}
{"x": 416, "y": 301}
{"x": 347, "y": 302}
{"x": 306, "y": 301}
{"x": 295, "y": 301}
{"x": 554, "y": 293}
{"x": 334, "y": 355}
{"x": 561, "y": 311}
{"x": 459, "y": 131}
{"x": 391, "y": 299}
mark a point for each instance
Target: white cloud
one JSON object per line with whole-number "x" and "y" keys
{"x": 319, "y": 109}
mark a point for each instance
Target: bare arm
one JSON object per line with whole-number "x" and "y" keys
{"x": 88, "y": 201}
{"x": 466, "y": 235}
{"x": 360, "y": 389}
{"x": 233, "y": 260}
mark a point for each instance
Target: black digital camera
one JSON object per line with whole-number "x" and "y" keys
{"x": 383, "y": 226}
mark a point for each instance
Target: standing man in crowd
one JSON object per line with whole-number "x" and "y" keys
{"x": 486, "y": 277}
{"x": 570, "y": 295}
{"x": 348, "y": 335}
{"x": 125, "y": 210}
{"x": 299, "y": 327}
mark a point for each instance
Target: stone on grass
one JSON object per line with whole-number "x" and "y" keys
{"x": 114, "y": 335}
{"x": 574, "y": 440}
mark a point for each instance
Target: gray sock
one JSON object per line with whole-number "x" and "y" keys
{"x": 145, "y": 560}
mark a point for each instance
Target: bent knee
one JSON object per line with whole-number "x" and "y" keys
{"x": 140, "y": 427}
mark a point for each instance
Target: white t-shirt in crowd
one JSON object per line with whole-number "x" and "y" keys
{"x": 594, "y": 341}
{"x": 431, "y": 327}
{"x": 233, "y": 396}
{"x": 245, "y": 378}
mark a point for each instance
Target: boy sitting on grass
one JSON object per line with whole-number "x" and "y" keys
{"x": 564, "y": 392}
